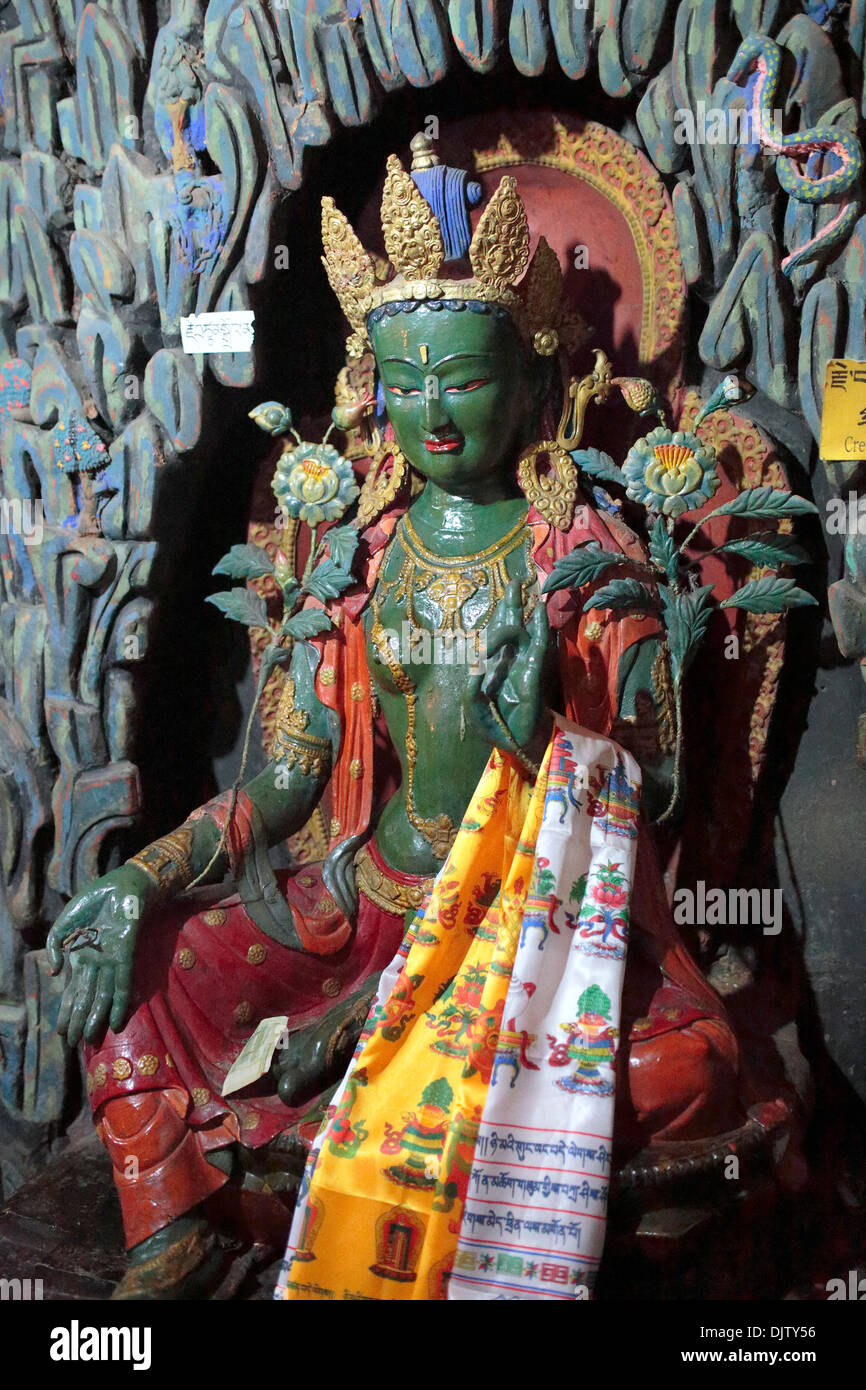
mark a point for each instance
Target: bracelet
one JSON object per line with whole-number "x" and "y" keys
{"x": 168, "y": 861}
{"x": 293, "y": 749}
{"x": 292, "y": 745}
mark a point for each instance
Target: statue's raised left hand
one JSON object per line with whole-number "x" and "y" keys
{"x": 506, "y": 701}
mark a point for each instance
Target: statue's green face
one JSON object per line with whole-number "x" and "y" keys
{"x": 458, "y": 392}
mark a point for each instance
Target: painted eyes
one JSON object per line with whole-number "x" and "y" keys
{"x": 470, "y": 385}
{"x": 403, "y": 391}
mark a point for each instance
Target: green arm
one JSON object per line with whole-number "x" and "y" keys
{"x": 284, "y": 794}
{"x": 106, "y": 917}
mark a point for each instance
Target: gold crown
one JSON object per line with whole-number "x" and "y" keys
{"x": 498, "y": 255}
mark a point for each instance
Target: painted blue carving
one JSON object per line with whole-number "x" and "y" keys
{"x": 179, "y": 76}
{"x": 200, "y": 216}
{"x": 450, "y": 194}
{"x": 15, "y": 382}
{"x": 528, "y": 37}
{"x": 824, "y": 11}
{"x": 76, "y": 447}
{"x": 126, "y": 200}
{"x": 572, "y": 29}
{"x": 288, "y": 85}
{"x": 87, "y": 208}
{"x": 104, "y": 109}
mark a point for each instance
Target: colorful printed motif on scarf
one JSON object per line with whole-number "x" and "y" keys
{"x": 467, "y": 1152}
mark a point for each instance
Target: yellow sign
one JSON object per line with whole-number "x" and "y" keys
{"x": 843, "y": 420}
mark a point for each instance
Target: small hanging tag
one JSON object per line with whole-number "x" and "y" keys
{"x": 255, "y": 1058}
{"x": 230, "y": 331}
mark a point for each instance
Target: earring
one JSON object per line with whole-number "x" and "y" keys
{"x": 381, "y": 485}
{"x": 555, "y": 494}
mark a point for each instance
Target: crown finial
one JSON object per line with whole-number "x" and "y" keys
{"x": 424, "y": 155}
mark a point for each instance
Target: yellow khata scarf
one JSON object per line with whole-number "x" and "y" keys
{"x": 424, "y": 1178}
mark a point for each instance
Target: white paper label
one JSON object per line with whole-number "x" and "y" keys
{"x": 255, "y": 1058}
{"x": 231, "y": 331}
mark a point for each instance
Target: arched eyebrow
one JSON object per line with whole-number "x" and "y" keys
{"x": 459, "y": 356}
{"x": 452, "y": 357}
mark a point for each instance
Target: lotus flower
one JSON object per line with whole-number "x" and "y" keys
{"x": 314, "y": 483}
{"x": 670, "y": 472}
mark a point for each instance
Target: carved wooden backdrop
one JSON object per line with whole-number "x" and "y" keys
{"x": 147, "y": 148}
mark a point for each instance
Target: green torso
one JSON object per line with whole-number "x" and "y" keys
{"x": 437, "y": 606}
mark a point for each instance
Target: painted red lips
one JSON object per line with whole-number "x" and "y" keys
{"x": 442, "y": 446}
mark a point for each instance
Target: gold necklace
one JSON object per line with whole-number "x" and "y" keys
{"x": 440, "y": 831}
{"x": 451, "y": 580}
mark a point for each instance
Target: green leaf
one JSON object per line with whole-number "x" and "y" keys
{"x": 596, "y": 464}
{"x": 289, "y": 590}
{"x": 241, "y": 605}
{"x": 342, "y": 543}
{"x": 245, "y": 562}
{"x": 765, "y": 501}
{"x": 686, "y": 618}
{"x": 778, "y": 550}
{"x": 663, "y": 549}
{"x": 277, "y": 656}
{"x": 580, "y": 567}
{"x": 577, "y": 890}
{"x": 769, "y": 595}
{"x": 623, "y": 593}
{"x": 308, "y": 623}
{"x": 327, "y": 580}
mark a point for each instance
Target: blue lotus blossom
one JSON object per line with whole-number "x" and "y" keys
{"x": 671, "y": 472}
